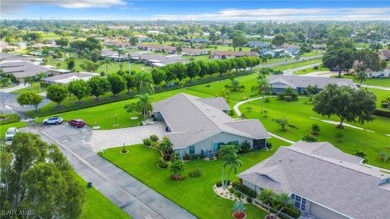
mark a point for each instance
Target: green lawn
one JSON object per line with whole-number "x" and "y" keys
{"x": 98, "y": 206}
{"x": 384, "y": 82}
{"x": 310, "y": 70}
{"x": 298, "y": 114}
{"x": 193, "y": 194}
{"x": 380, "y": 95}
{"x": 35, "y": 86}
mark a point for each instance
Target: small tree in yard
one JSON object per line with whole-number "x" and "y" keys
{"x": 177, "y": 169}
{"x": 166, "y": 148}
{"x": 309, "y": 138}
{"x": 339, "y": 136}
{"x": 57, "y": 93}
{"x": 230, "y": 158}
{"x": 361, "y": 76}
{"x": 117, "y": 83}
{"x": 315, "y": 129}
{"x": 266, "y": 196}
{"x": 30, "y": 98}
{"x": 284, "y": 200}
{"x": 361, "y": 154}
{"x": 238, "y": 210}
{"x": 99, "y": 86}
{"x": 282, "y": 122}
{"x": 79, "y": 88}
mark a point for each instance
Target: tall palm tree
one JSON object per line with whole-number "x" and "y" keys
{"x": 264, "y": 87}
{"x": 230, "y": 158}
{"x": 361, "y": 76}
{"x": 285, "y": 200}
{"x": 133, "y": 41}
{"x": 106, "y": 62}
{"x": 145, "y": 104}
{"x": 143, "y": 81}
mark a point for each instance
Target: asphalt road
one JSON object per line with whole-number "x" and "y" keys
{"x": 125, "y": 191}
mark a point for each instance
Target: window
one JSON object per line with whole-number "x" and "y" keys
{"x": 192, "y": 149}
{"x": 217, "y": 146}
{"x": 299, "y": 202}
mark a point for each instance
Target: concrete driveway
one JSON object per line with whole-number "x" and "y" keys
{"x": 131, "y": 195}
{"x": 114, "y": 138}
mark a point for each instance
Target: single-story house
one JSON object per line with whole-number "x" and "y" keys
{"x": 201, "y": 126}
{"x": 196, "y": 40}
{"x": 224, "y": 42}
{"x": 384, "y": 54}
{"x": 22, "y": 69}
{"x": 15, "y": 57}
{"x": 67, "y": 78}
{"x": 385, "y": 73}
{"x": 258, "y": 44}
{"x": 114, "y": 55}
{"x": 323, "y": 181}
{"x": 156, "y": 48}
{"x": 231, "y": 54}
{"x": 299, "y": 83}
{"x": 157, "y": 60}
{"x": 194, "y": 52}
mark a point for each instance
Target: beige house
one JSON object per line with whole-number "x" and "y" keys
{"x": 201, "y": 126}
{"x": 323, "y": 181}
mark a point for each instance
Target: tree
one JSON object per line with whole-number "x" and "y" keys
{"x": 284, "y": 201}
{"x": 107, "y": 62}
{"x": 214, "y": 68}
{"x": 90, "y": 66}
{"x": 239, "y": 39}
{"x": 315, "y": 129}
{"x": 279, "y": 40}
{"x": 230, "y": 157}
{"x": 70, "y": 63}
{"x": 145, "y": 104}
{"x": 368, "y": 59}
{"x": 130, "y": 82}
{"x": 266, "y": 196}
{"x": 177, "y": 168}
{"x": 339, "y": 55}
{"x": 309, "y": 138}
{"x": 282, "y": 122}
{"x": 99, "y": 86}
{"x": 62, "y": 42}
{"x": 204, "y": 68}
{"x": 30, "y": 98}
{"x": 193, "y": 69}
{"x": 79, "y": 88}
{"x": 213, "y": 36}
{"x": 143, "y": 82}
{"x": 165, "y": 148}
{"x": 57, "y": 93}
{"x": 180, "y": 70}
{"x": 37, "y": 177}
{"x": 361, "y": 76}
{"x": 345, "y": 102}
{"x": 133, "y": 41}
{"x": 117, "y": 83}
{"x": 158, "y": 76}
{"x": 263, "y": 87}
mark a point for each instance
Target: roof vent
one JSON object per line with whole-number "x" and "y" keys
{"x": 341, "y": 161}
{"x": 280, "y": 160}
{"x": 291, "y": 159}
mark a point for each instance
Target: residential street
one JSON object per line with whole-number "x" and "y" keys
{"x": 125, "y": 191}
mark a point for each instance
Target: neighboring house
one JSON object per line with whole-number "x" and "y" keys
{"x": 52, "y": 72}
{"x": 224, "y": 42}
{"x": 22, "y": 69}
{"x": 194, "y": 52}
{"x": 196, "y": 40}
{"x": 119, "y": 43}
{"x": 114, "y": 55}
{"x": 157, "y": 60}
{"x": 384, "y": 54}
{"x": 378, "y": 74}
{"x": 299, "y": 83}
{"x": 323, "y": 181}
{"x": 231, "y": 54}
{"x": 14, "y": 57}
{"x": 67, "y": 78}
{"x": 201, "y": 126}
{"x": 157, "y": 48}
{"x": 267, "y": 52}
{"x": 258, "y": 44}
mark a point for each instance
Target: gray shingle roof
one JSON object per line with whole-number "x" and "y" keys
{"x": 304, "y": 81}
{"x": 191, "y": 120}
{"x": 66, "y": 78}
{"x": 22, "y": 69}
{"x": 319, "y": 172}
{"x": 217, "y": 102}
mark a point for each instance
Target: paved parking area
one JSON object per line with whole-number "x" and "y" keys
{"x": 131, "y": 195}
{"x": 128, "y": 136}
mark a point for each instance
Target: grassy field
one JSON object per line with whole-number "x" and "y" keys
{"x": 383, "y": 82}
{"x": 98, "y": 206}
{"x": 35, "y": 86}
{"x": 300, "y": 115}
{"x": 193, "y": 194}
{"x": 310, "y": 70}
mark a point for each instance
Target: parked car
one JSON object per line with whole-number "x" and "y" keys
{"x": 78, "y": 123}
{"x": 9, "y": 135}
{"x": 53, "y": 120}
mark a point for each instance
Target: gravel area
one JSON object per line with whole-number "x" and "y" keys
{"x": 115, "y": 138}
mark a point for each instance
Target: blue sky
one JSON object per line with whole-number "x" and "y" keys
{"x": 196, "y": 10}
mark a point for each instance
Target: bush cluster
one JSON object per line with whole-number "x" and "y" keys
{"x": 147, "y": 142}
{"x": 196, "y": 173}
{"x": 247, "y": 191}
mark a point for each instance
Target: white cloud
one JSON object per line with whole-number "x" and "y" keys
{"x": 288, "y": 14}
{"x": 10, "y": 6}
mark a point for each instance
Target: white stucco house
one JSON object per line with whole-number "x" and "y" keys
{"x": 200, "y": 125}
{"x": 323, "y": 181}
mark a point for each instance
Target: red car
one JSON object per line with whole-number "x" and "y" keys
{"x": 78, "y": 123}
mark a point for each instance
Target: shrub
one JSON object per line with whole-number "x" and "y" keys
{"x": 292, "y": 126}
{"x": 384, "y": 113}
{"x": 245, "y": 147}
{"x": 269, "y": 145}
{"x": 315, "y": 67}
{"x": 162, "y": 164}
{"x": 154, "y": 138}
{"x": 239, "y": 194}
{"x": 309, "y": 138}
{"x": 219, "y": 184}
{"x": 249, "y": 199}
{"x": 196, "y": 173}
{"x": 247, "y": 191}
{"x": 147, "y": 142}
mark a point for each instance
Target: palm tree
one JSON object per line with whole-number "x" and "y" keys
{"x": 284, "y": 200}
{"x": 133, "y": 41}
{"x": 266, "y": 196}
{"x": 264, "y": 87}
{"x": 166, "y": 148}
{"x": 177, "y": 168}
{"x": 106, "y": 62}
{"x": 143, "y": 81}
{"x": 361, "y": 76}
{"x": 145, "y": 104}
{"x": 230, "y": 158}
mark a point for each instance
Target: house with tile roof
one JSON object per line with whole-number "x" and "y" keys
{"x": 323, "y": 181}
{"x": 300, "y": 83}
{"x": 201, "y": 126}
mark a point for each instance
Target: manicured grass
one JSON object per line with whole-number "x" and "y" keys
{"x": 9, "y": 118}
{"x": 35, "y": 86}
{"x": 384, "y": 82}
{"x": 298, "y": 114}
{"x": 310, "y": 70}
{"x": 194, "y": 194}
{"x": 98, "y": 206}
{"x": 380, "y": 95}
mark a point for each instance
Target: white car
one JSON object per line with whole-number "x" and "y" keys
{"x": 9, "y": 135}
{"x": 53, "y": 120}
